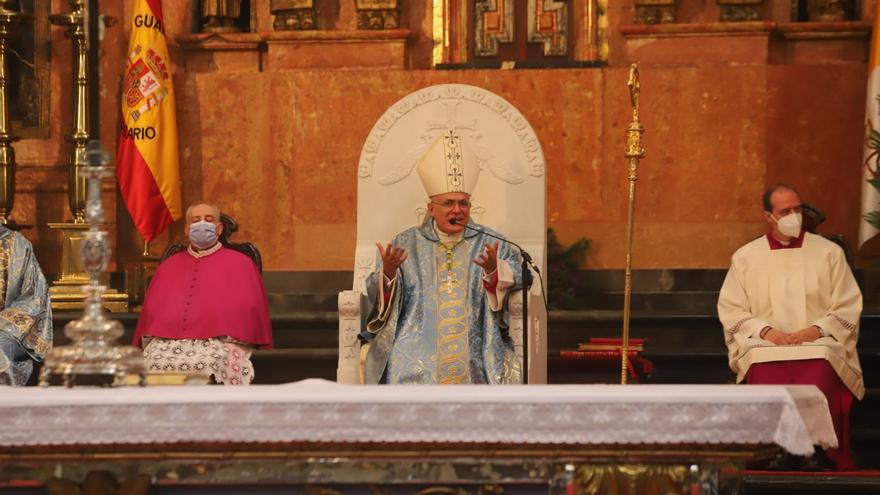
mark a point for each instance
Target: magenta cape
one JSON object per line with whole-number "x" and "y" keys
{"x": 198, "y": 298}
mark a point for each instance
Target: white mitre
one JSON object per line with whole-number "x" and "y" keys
{"x": 449, "y": 165}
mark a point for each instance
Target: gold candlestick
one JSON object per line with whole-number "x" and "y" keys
{"x": 76, "y": 31}
{"x": 9, "y": 18}
{"x": 67, "y": 292}
{"x": 634, "y": 153}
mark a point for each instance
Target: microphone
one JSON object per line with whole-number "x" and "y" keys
{"x": 526, "y": 257}
{"x": 526, "y": 288}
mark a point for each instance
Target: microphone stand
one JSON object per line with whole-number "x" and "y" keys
{"x": 526, "y": 287}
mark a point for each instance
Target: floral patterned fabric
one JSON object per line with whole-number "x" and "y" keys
{"x": 228, "y": 362}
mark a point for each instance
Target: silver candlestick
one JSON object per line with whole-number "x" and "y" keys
{"x": 95, "y": 353}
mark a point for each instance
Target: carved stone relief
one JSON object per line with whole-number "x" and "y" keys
{"x": 454, "y": 95}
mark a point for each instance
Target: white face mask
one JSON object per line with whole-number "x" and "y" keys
{"x": 202, "y": 234}
{"x": 790, "y": 225}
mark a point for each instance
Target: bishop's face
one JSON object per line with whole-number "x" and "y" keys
{"x": 450, "y": 206}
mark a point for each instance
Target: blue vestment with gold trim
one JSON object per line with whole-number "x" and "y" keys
{"x": 26, "y": 314}
{"x": 439, "y": 326}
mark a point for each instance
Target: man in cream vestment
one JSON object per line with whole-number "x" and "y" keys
{"x": 790, "y": 296}
{"x": 438, "y": 293}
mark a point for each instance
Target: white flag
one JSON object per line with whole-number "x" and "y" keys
{"x": 870, "y": 221}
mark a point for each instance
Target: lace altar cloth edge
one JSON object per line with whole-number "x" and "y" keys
{"x": 793, "y": 417}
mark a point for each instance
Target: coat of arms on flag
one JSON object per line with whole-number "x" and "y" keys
{"x": 144, "y": 81}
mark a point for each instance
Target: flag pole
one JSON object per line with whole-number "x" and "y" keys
{"x": 146, "y": 248}
{"x": 634, "y": 153}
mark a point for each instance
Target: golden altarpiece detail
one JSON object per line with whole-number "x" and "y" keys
{"x": 294, "y": 15}
{"x": 830, "y": 10}
{"x": 220, "y": 16}
{"x": 654, "y": 12}
{"x": 509, "y": 32}
{"x": 740, "y": 10}
{"x": 377, "y": 14}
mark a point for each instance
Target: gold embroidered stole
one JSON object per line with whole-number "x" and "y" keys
{"x": 21, "y": 322}
{"x": 5, "y": 252}
{"x": 453, "y": 351}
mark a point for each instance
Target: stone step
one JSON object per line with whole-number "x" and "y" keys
{"x": 290, "y": 303}
{"x": 811, "y": 483}
{"x": 678, "y": 301}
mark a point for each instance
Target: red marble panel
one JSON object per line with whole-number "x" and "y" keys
{"x": 698, "y": 48}
{"x": 236, "y": 141}
{"x": 565, "y": 109}
{"x": 304, "y": 50}
{"x": 815, "y": 128}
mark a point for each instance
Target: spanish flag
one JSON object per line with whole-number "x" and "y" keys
{"x": 146, "y": 158}
{"x": 870, "y": 223}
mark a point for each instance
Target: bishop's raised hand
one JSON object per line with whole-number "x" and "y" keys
{"x": 392, "y": 258}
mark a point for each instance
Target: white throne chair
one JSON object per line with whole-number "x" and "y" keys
{"x": 510, "y": 197}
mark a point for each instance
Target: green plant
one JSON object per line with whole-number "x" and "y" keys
{"x": 874, "y": 217}
{"x": 872, "y": 163}
{"x": 563, "y": 264}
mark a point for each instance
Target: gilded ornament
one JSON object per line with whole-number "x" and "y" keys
{"x": 740, "y": 10}
{"x": 654, "y": 12}
{"x": 548, "y": 24}
{"x": 828, "y": 10}
{"x": 294, "y": 15}
{"x": 220, "y": 16}
{"x": 76, "y": 31}
{"x": 377, "y": 14}
{"x": 634, "y": 152}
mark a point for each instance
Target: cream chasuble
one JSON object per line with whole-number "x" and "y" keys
{"x": 791, "y": 289}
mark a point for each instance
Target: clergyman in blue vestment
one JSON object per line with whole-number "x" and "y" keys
{"x": 25, "y": 310}
{"x": 438, "y": 295}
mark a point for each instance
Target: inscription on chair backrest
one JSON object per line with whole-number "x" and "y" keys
{"x": 510, "y": 195}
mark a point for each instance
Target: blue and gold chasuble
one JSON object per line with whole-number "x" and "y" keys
{"x": 25, "y": 310}
{"x": 439, "y": 326}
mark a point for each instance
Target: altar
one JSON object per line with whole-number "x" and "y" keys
{"x": 317, "y": 436}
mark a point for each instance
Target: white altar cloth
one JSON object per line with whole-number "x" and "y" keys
{"x": 793, "y": 417}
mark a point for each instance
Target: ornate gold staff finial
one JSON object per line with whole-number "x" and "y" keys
{"x": 634, "y": 88}
{"x": 634, "y": 153}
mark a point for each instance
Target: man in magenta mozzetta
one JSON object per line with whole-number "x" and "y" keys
{"x": 205, "y": 310}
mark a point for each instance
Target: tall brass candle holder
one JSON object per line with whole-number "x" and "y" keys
{"x": 634, "y": 153}
{"x": 66, "y": 292}
{"x": 9, "y": 19}
{"x": 94, "y": 357}
{"x": 76, "y": 31}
